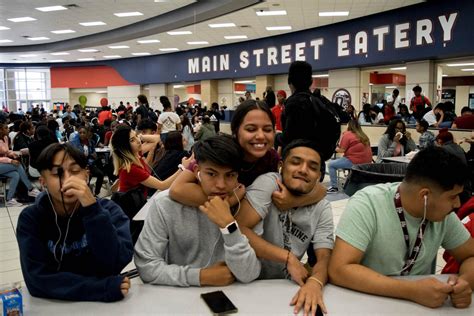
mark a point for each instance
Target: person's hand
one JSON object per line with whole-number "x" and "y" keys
{"x": 461, "y": 295}
{"x": 281, "y": 197}
{"x": 408, "y": 135}
{"x": 397, "y": 137}
{"x": 15, "y": 162}
{"x": 186, "y": 161}
{"x": 218, "y": 211}
{"x": 125, "y": 286}
{"x": 431, "y": 292}
{"x": 310, "y": 298}
{"x": 77, "y": 186}
{"x": 296, "y": 269}
{"x": 216, "y": 275}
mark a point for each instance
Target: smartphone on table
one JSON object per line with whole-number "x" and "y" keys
{"x": 219, "y": 303}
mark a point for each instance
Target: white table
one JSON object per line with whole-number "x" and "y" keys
{"x": 401, "y": 159}
{"x": 265, "y": 297}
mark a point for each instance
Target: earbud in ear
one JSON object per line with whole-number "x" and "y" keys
{"x": 426, "y": 198}
{"x": 199, "y": 176}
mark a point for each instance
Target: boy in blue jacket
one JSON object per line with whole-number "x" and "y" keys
{"x": 72, "y": 246}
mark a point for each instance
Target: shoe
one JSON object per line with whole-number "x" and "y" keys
{"x": 332, "y": 190}
{"x": 13, "y": 203}
{"x": 34, "y": 192}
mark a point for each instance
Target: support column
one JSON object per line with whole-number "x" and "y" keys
{"x": 425, "y": 74}
{"x": 225, "y": 94}
{"x": 156, "y": 91}
{"x": 209, "y": 92}
{"x": 348, "y": 79}
{"x": 365, "y": 90}
{"x": 262, "y": 82}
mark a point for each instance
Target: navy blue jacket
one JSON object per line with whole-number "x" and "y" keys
{"x": 98, "y": 246}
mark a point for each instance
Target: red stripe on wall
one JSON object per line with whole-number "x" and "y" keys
{"x": 86, "y": 77}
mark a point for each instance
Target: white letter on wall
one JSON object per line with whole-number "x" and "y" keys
{"x": 380, "y": 33}
{"x": 342, "y": 46}
{"x": 401, "y": 36}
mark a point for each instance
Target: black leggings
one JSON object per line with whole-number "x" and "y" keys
{"x": 96, "y": 171}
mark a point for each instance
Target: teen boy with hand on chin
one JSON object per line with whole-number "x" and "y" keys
{"x": 72, "y": 245}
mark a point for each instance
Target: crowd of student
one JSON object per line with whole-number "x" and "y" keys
{"x": 238, "y": 209}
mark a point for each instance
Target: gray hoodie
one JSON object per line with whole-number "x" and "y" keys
{"x": 177, "y": 241}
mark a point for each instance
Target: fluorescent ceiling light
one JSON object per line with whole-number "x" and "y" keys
{"x": 28, "y": 55}
{"x": 112, "y": 56}
{"x": 371, "y": 84}
{"x": 119, "y": 46}
{"x": 85, "y": 59}
{"x": 57, "y": 60}
{"x": 269, "y": 13}
{"x": 52, "y": 8}
{"x": 63, "y": 31}
{"x": 126, "y": 14}
{"x": 92, "y": 23}
{"x": 217, "y": 25}
{"x": 101, "y": 91}
{"x": 23, "y": 19}
{"x": 179, "y": 32}
{"x": 171, "y": 49}
{"x": 88, "y": 50}
{"x": 460, "y": 64}
{"x": 5, "y": 41}
{"x": 176, "y": 86}
{"x": 398, "y": 68}
{"x": 141, "y": 54}
{"x": 244, "y": 81}
{"x": 59, "y": 53}
{"x": 41, "y": 38}
{"x": 445, "y": 75}
{"x": 23, "y": 61}
{"x": 235, "y": 37}
{"x": 2, "y": 28}
{"x": 320, "y": 76}
{"x": 148, "y": 41}
{"x": 390, "y": 87}
{"x": 198, "y": 43}
{"x": 278, "y": 28}
{"x": 467, "y": 69}
{"x": 334, "y": 13}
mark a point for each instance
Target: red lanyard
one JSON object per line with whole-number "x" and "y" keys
{"x": 413, "y": 254}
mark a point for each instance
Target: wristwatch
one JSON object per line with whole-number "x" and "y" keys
{"x": 229, "y": 229}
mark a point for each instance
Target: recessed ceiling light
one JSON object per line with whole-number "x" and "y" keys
{"x": 198, "y": 43}
{"x": 171, "y": 49}
{"x": 320, "y": 76}
{"x": 334, "y": 13}
{"x": 235, "y": 37}
{"x": 460, "y": 64}
{"x": 59, "y": 53}
{"x": 63, "y": 31}
{"x": 141, "y": 54}
{"x": 278, "y": 28}
{"x": 216, "y": 25}
{"x": 28, "y": 55}
{"x": 2, "y": 28}
{"x": 86, "y": 59}
{"x": 119, "y": 46}
{"x": 398, "y": 68}
{"x": 88, "y": 50}
{"x": 270, "y": 13}
{"x": 52, "y": 8}
{"x": 22, "y": 19}
{"x": 92, "y": 23}
{"x": 112, "y": 56}
{"x": 126, "y": 14}
{"x": 148, "y": 41}
{"x": 5, "y": 41}
{"x": 40, "y": 38}
{"x": 57, "y": 60}
{"x": 179, "y": 32}
{"x": 390, "y": 87}
{"x": 467, "y": 69}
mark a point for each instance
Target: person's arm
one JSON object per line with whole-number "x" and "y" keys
{"x": 152, "y": 182}
{"x": 285, "y": 200}
{"x": 44, "y": 280}
{"x": 463, "y": 285}
{"x": 410, "y": 145}
{"x": 345, "y": 270}
{"x": 386, "y": 148}
{"x": 441, "y": 118}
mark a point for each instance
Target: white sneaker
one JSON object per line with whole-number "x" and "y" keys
{"x": 13, "y": 203}
{"x": 34, "y": 192}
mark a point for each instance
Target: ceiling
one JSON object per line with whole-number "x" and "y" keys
{"x": 166, "y": 15}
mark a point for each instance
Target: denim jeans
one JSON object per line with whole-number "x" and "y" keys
{"x": 340, "y": 163}
{"x": 15, "y": 173}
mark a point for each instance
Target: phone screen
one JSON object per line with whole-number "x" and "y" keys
{"x": 218, "y": 302}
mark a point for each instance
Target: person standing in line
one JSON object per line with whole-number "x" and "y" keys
{"x": 168, "y": 120}
{"x": 419, "y": 103}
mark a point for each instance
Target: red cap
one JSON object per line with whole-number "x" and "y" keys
{"x": 282, "y": 93}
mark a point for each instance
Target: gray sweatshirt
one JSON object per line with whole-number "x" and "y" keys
{"x": 177, "y": 241}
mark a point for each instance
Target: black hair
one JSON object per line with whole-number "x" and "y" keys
{"x": 416, "y": 89}
{"x": 52, "y": 125}
{"x": 396, "y": 90}
{"x": 165, "y": 102}
{"x": 246, "y": 107}
{"x": 465, "y": 109}
{"x": 391, "y": 130}
{"x": 42, "y": 132}
{"x": 424, "y": 124}
{"x": 300, "y": 143}
{"x": 366, "y": 112}
{"x": 147, "y": 124}
{"x": 142, "y": 99}
{"x": 46, "y": 158}
{"x": 300, "y": 75}
{"x": 437, "y": 166}
{"x": 174, "y": 141}
{"x": 221, "y": 150}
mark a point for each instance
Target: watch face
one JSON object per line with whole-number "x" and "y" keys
{"x": 232, "y": 228}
